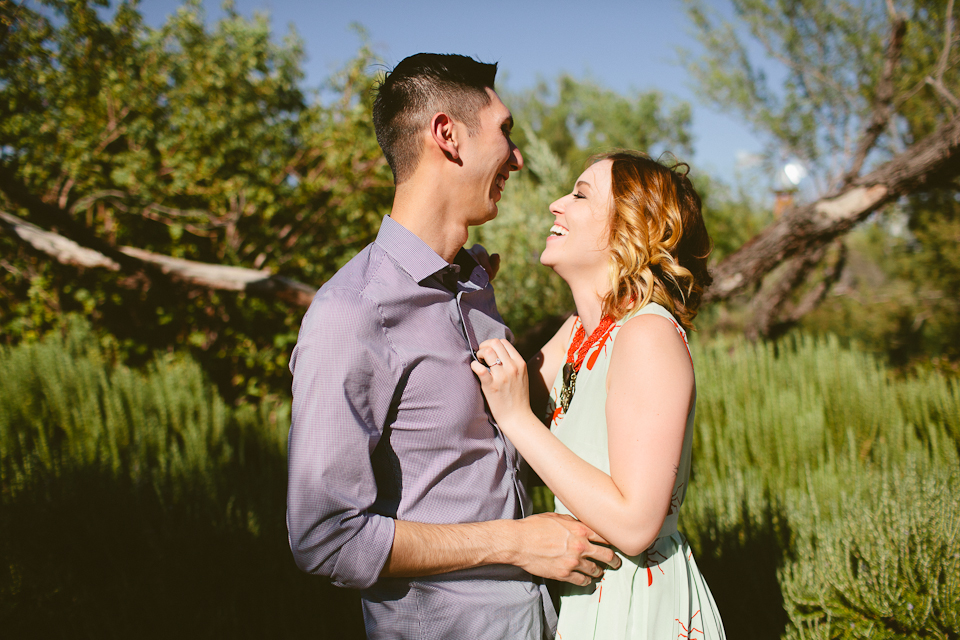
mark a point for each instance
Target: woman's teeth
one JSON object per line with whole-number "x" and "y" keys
{"x": 557, "y": 230}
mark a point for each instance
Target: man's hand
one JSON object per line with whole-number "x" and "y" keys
{"x": 560, "y": 547}
{"x": 490, "y": 263}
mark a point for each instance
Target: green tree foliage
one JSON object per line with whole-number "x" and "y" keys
{"x": 814, "y": 96}
{"x": 187, "y": 141}
{"x": 577, "y": 118}
{"x": 903, "y": 276}
{"x": 828, "y": 60}
{"x": 198, "y": 143}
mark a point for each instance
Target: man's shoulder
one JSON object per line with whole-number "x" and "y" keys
{"x": 351, "y": 298}
{"x": 357, "y": 274}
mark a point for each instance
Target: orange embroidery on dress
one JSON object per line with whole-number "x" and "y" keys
{"x": 689, "y": 632}
{"x": 556, "y": 414}
{"x": 653, "y": 563}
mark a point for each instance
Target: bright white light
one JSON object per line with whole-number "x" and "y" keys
{"x": 794, "y": 172}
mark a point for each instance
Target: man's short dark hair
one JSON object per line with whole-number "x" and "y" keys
{"x": 416, "y": 89}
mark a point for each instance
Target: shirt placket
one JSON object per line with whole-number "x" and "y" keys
{"x": 510, "y": 453}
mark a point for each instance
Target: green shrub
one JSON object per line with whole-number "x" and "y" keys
{"x": 807, "y": 402}
{"x": 885, "y": 563}
{"x": 823, "y": 496}
{"x": 786, "y": 433}
{"x": 138, "y": 504}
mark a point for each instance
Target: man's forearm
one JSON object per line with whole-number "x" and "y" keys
{"x": 549, "y": 545}
{"x": 428, "y": 549}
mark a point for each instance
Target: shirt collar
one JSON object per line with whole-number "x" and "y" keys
{"x": 420, "y": 261}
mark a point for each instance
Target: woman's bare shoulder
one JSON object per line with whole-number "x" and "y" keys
{"x": 650, "y": 336}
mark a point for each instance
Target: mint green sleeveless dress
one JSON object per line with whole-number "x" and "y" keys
{"x": 659, "y": 594}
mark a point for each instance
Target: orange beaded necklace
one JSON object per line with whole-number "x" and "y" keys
{"x": 579, "y": 348}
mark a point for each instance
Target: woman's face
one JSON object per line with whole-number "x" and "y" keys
{"x": 578, "y": 244}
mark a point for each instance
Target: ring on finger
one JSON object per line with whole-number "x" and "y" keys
{"x": 496, "y": 362}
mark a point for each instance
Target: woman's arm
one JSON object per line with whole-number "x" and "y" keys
{"x": 546, "y": 365}
{"x": 649, "y": 390}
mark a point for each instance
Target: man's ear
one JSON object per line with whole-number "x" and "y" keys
{"x": 445, "y": 135}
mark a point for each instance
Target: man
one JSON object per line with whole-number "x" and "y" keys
{"x": 396, "y": 469}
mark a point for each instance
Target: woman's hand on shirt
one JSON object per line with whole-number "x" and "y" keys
{"x": 504, "y": 382}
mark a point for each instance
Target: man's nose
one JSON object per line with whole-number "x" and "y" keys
{"x": 516, "y": 158}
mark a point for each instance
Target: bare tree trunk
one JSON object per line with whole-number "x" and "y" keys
{"x": 768, "y": 303}
{"x": 260, "y": 282}
{"x": 772, "y": 314}
{"x": 932, "y": 162}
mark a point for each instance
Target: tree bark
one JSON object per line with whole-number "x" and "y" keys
{"x": 769, "y": 302}
{"x": 931, "y": 162}
{"x": 260, "y": 282}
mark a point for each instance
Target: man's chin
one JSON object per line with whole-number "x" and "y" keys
{"x": 488, "y": 216}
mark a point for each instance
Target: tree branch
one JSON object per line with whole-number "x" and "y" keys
{"x": 943, "y": 92}
{"x": 816, "y": 295}
{"x": 55, "y": 217}
{"x": 883, "y": 100}
{"x": 770, "y": 320}
{"x": 63, "y": 250}
{"x": 947, "y": 41}
{"x": 932, "y": 162}
{"x": 209, "y": 276}
{"x": 937, "y": 80}
{"x": 768, "y": 304}
{"x": 84, "y": 203}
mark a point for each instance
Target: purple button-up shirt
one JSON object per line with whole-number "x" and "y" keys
{"x": 388, "y": 423}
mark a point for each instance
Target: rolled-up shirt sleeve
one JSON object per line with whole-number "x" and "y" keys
{"x": 345, "y": 373}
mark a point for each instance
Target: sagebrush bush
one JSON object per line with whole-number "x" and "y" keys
{"x": 137, "y": 503}
{"x": 822, "y": 503}
{"x": 788, "y": 436}
{"x": 881, "y": 562}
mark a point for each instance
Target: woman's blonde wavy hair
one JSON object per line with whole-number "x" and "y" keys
{"x": 658, "y": 241}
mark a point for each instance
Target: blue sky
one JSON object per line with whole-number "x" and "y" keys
{"x": 621, "y": 44}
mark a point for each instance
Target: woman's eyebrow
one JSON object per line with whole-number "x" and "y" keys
{"x": 583, "y": 183}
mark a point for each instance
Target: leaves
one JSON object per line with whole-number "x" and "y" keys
{"x": 190, "y": 141}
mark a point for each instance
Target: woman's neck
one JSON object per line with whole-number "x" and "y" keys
{"x": 589, "y": 306}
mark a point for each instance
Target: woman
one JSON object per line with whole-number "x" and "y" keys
{"x": 631, "y": 244}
